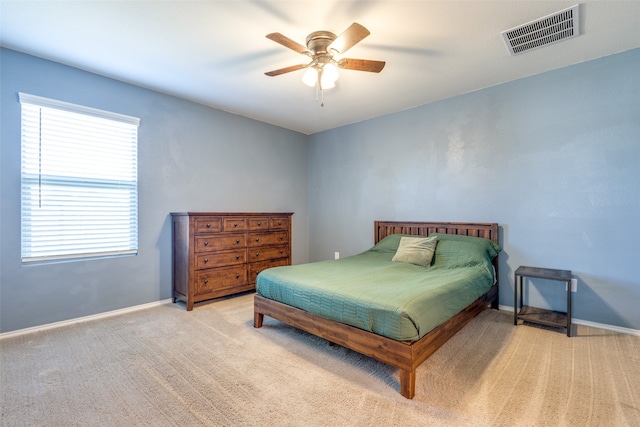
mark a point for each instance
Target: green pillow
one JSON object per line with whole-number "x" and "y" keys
{"x": 489, "y": 246}
{"x": 416, "y": 250}
{"x": 390, "y": 243}
{"x": 454, "y": 251}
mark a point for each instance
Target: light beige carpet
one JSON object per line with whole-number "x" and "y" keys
{"x": 167, "y": 367}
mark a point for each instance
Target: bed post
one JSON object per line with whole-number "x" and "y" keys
{"x": 495, "y": 303}
{"x": 408, "y": 383}
{"x": 257, "y": 319}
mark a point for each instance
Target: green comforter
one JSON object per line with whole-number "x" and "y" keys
{"x": 397, "y": 300}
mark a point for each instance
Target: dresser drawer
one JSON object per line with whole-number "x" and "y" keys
{"x": 208, "y": 243}
{"x": 266, "y": 239}
{"x": 259, "y": 223}
{"x": 268, "y": 252}
{"x": 220, "y": 259}
{"x": 234, "y": 224}
{"x": 279, "y": 223}
{"x": 208, "y": 281}
{"x": 208, "y": 224}
{"x": 256, "y": 267}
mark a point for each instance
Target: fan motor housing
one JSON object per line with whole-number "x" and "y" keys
{"x": 319, "y": 41}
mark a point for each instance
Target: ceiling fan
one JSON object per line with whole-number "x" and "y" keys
{"x": 325, "y": 51}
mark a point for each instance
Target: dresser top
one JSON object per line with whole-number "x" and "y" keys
{"x": 230, "y": 213}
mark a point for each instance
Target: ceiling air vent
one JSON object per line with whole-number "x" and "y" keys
{"x": 544, "y": 31}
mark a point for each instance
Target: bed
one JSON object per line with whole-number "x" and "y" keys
{"x": 344, "y": 302}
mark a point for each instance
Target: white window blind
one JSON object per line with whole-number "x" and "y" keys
{"x": 79, "y": 181}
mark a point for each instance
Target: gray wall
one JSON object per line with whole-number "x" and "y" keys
{"x": 191, "y": 158}
{"x": 554, "y": 159}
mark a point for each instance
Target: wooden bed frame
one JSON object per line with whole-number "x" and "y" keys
{"x": 404, "y": 355}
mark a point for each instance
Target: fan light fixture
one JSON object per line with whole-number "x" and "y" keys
{"x": 324, "y": 75}
{"x": 323, "y": 47}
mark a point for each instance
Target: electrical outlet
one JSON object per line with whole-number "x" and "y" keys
{"x": 574, "y": 285}
{"x": 336, "y": 255}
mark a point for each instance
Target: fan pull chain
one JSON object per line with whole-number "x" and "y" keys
{"x": 319, "y": 87}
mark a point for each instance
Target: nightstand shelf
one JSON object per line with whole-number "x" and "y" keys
{"x": 538, "y": 315}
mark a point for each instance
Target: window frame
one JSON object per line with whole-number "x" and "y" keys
{"x": 125, "y": 191}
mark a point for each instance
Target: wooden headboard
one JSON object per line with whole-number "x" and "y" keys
{"x": 488, "y": 230}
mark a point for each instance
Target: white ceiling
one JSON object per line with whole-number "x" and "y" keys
{"x": 215, "y": 52}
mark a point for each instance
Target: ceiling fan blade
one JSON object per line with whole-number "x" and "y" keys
{"x": 287, "y": 42}
{"x": 286, "y": 70}
{"x": 352, "y": 35}
{"x": 361, "y": 65}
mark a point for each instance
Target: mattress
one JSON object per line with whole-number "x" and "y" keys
{"x": 369, "y": 291}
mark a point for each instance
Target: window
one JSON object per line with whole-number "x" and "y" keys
{"x": 79, "y": 181}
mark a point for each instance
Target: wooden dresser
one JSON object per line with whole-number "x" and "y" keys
{"x": 217, "y": 254}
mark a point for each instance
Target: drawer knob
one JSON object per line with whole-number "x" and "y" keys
{"x": 281, "y": 251}
{"x": 235, "y": 225}
{"x": 206, "y": 260}
{"x": 259, "y": 224}
{"x": 237, "y": 256}
{"x": 279, "y": 223}
{"x": 257, "y": 254}
{"x": 208, "y": 225}
{"x": 257, "y": 239}
{"x": 237, "y": 276}
{"x": 206, "y": 281}
{"x": 206, "y": 243}
{"x": 237, "y": 240}
{"x": 281, "y": 237}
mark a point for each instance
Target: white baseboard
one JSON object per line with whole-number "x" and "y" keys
{"x": 604, "y": 326}
{"x": 82, "y": 319}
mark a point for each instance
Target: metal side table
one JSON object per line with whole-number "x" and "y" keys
{"x": 540, "y": 315}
